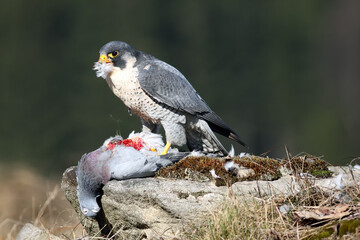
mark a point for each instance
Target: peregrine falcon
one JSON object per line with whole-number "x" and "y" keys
{"x": 160, "y": 95}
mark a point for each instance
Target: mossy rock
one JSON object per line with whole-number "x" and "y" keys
{"x": 345, "y": 227}
{"x": 348, "y": 226}
{"x": 307, "y": 163}
{"x": 198, "y": 168}
{"x": 322, "y": 234}
{"x": 321, "y": 173}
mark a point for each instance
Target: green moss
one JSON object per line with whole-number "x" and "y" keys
{"x": 345, "y": 227}
{"x": 323, "y": 233}
{"x": 307, "y": 163}
{"x": 348, "y": 226}
{"x": 321, "y": 173}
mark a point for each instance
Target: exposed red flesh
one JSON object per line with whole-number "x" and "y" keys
{"x": 136, "y": 143}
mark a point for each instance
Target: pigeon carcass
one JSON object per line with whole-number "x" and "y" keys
{"x": 120, "y": 159}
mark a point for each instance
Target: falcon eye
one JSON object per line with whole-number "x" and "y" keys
{"x": 113, "y": 54}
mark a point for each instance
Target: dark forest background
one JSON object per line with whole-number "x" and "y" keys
{"x": 278, "y": 72}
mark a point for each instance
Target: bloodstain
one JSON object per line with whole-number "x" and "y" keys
{"x": 137, "y": 143}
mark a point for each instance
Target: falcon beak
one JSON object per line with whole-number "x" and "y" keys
{"x": 104, "y": 59}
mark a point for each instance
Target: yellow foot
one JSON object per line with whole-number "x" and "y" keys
{"x": 153, "y": 149}
{"x": 166, "y": 149}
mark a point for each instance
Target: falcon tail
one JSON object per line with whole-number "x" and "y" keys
{"x": 200, "y": 137}
{"x": 219, "y": 126}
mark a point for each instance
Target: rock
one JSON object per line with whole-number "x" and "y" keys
{"x": 30, "y": 232}
{"x": 158, "y": 208}
{"x": 285, "y": 208}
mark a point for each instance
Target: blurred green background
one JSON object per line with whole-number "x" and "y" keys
{"x": 278, "y": 72}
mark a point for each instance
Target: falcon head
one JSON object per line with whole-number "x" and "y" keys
{"x": 114, "y": 54}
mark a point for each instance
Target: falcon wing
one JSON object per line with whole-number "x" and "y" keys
{"x": 168, "y": 86}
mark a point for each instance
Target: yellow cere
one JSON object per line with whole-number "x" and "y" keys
{"x": 103, "y": 58}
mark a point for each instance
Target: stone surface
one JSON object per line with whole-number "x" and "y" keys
{"x": 30, "y": 232}
{"x": 157, "y": 208}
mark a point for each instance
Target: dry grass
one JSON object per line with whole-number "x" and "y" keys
{"x": 28, "y": 197}
{"x": 260, "y": 218}
{"x": 238, "y": 218}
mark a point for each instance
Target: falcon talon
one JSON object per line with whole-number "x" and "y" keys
{"x": 160, "y": 94}
{"x": 166, "y": 148}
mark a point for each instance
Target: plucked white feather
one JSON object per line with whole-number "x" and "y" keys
{"x": 230, "y": 165}
{"x": 339, "y": 182}
{"x": 231, "y": 152}
{"x": 244, "y": 154}
{"x": 356, "y": 168}
{"x": 196, "y": 154}
{"x": 213, "y": 174}
{"x": 103, "y": 69}
{"x": 152, "y": 140}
